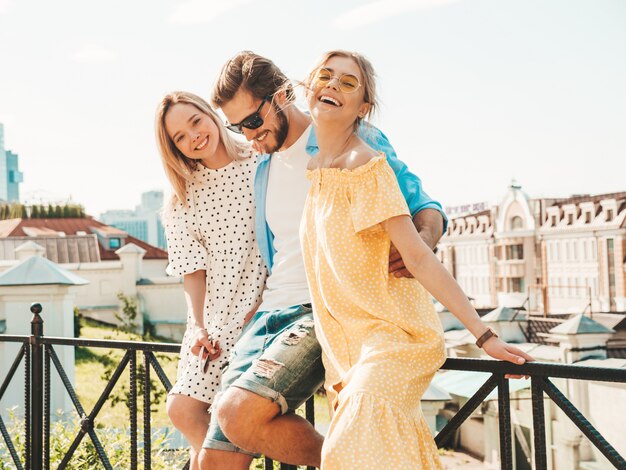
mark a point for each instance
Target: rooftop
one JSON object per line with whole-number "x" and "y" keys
{"x": 54, "y": 230}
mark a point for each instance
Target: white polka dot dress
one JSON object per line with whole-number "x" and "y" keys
{"x": 381, "y": 338}
{"x": 216, "y": 233}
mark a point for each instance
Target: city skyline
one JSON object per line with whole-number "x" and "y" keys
{"x": 474, "y": 93}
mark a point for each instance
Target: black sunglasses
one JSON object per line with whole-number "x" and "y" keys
{"x": 254, "y": 121}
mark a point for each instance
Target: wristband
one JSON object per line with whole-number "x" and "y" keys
{"x": 485, "y": 336}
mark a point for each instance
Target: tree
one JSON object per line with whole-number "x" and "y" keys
{"x": 128, "y": 315}
{"x": 17, "y": 211}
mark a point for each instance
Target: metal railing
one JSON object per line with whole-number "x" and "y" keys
{"x": 38, "y": 354}
{"x": 540, "y": 375}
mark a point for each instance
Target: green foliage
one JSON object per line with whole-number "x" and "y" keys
{"x": 128, "y": 315}
{"x": 116, "y": 443}
{"x": 20, "y": 211}
{"x": 77, "y": 322}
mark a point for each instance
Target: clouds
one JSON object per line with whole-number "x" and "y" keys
{"x": 383, "y": 9}
{"x": 94, "y": 54}
{"x": 202, "y": 11}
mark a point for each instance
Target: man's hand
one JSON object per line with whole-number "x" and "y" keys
{"x": 211, "y": 348}
{"x": 396, "y": 264}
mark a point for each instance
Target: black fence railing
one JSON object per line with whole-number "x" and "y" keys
{"x": 39, "y": 356}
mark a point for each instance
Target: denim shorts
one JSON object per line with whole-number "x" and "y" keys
{"x": 277, "y": 357}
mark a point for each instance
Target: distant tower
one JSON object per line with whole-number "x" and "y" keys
{"x": 10, "y": 176}
{"x": 4, "y": 174}
{"x": 15, "y": 177}
{"x": 144, "y": 222}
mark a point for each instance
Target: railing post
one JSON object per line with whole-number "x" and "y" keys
{"x": 539, "y": 424}
{"x": 504, "y": 421}
{"x": 36, "y": 407}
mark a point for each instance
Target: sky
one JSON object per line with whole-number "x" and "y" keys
{"x": 474, "y": 93}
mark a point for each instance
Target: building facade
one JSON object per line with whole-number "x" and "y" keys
{"x": 111, "y": 260}
{"x": 10, "y": 176}
{"x": 4, "y": 175}
{"x": 144, "y": 222}
{"x": 14, "y": 176}
{"x": 553, "y": 255}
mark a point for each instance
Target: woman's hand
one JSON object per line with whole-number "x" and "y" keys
{"x": 502, "y": 351}
{"x": 249, "y": 316}
{"x": 201, "y": 339}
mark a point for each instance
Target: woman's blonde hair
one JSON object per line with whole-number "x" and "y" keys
{"x": 178, "y": 167}
{"x": 368, "y": 81}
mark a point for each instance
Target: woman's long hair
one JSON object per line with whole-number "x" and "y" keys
{"x": 178, "y": 168}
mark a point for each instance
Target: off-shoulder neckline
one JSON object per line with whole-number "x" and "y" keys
{"x": 359, "y": 170}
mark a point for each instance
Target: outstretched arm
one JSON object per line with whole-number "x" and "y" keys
{"x": 426, "y": 268}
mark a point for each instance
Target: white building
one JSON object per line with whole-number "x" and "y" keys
{"x": 561, "y": 255}
{"x": 110, "y": 259}
{"x": 144, "y": 222}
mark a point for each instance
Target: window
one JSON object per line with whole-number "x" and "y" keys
{"x": 570, "y": 219}
{"x": 517, "y": 223}
{"x": 587, "y": 217}
{"x": 514, "y": 252}
{"x": 114, "y": 243}
{"x": 594, "y": 251}
{"x": 609, "y": 215}
{"x": 553, "y": 221}
{"x": 515, "y": 284}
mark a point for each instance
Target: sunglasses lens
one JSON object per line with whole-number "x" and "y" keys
{"x": 252, "y": 122}
{"x": 348, "y": 83}
{"x": 324, "y": 76}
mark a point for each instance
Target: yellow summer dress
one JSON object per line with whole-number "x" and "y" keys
{"x": 381, "y": 338}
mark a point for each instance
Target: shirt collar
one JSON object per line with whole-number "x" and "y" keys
{"x": 311, "y": 145}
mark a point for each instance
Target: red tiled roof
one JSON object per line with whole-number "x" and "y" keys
{"x": 70, "y": 226}
{"x": 7, "y": 226}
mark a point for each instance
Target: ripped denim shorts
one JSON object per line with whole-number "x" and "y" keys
{"x": 277, "y": 357}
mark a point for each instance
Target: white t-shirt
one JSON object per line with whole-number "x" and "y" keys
{"x": 287, "y": 189}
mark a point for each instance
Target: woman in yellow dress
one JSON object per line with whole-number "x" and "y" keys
{"x": 381, "y": 338}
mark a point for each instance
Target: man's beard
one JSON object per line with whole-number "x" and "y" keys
{"x": 282, "y": 129}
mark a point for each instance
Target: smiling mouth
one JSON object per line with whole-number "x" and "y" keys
{"x": 202, "y": 144}
{"x": 329, "y": 100}
{"x": 261, "y": 137}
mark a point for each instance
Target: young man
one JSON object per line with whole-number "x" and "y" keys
{"x": 276, "y": 364}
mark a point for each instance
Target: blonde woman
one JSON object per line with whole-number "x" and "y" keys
{"x": 380, "y": 335}
{"x": 209, "y": 224}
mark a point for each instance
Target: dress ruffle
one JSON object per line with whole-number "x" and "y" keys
{"x": 364, "y": 419}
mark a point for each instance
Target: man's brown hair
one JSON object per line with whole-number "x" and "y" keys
{"x": 256, "y": 74}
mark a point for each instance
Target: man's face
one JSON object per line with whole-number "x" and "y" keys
{"x": 271, "y": 136}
